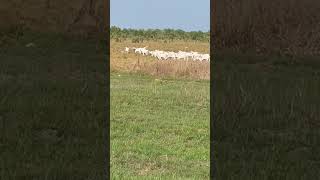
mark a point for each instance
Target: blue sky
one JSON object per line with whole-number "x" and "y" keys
{"x": 188, "y": 15}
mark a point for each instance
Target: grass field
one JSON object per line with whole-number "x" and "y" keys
{"x": 148, "y": 65}
{"x": 159, "y": 128}
{"x": 52, "y": 102}
{"x": 267, "y": 118}
{"x": 52, "y": 108}
{"x": 268, "y": 27}
{"x": 159, "y": 122}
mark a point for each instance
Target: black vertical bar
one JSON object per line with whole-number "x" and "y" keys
{"x": 212, "y": 98}
{"x": 107, "y": 125}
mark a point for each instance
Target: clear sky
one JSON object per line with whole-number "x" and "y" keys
{"x": 188, "y": 15}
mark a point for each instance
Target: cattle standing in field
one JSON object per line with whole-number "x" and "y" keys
{"x": 126, "y": 50}
{"x": 142, "y": 51}
{"x": 163, "y": 55}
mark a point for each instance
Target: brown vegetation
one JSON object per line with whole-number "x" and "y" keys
{"x": 80, "y": 17}
{"x": 277, "y": 26}
{"x": 131, "y": 62}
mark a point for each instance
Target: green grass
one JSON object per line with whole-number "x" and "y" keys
{"x": 267, "y": 117}
{"x": 52, "y": 108}
{"x": 52, "y": 103}
{"x": 159, "y": 128}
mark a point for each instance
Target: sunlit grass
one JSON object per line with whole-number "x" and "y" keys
{"x": 159, "y": 128}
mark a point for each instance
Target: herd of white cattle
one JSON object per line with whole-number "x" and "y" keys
{"x": 170, "y": 55}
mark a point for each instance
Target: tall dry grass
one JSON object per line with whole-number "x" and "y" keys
{"x": 276, "y": 26}
{"x": 132, "y": 62}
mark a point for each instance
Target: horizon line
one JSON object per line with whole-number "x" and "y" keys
{"x": 160, "y": 29}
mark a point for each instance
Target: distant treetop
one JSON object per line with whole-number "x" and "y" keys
{"x": 157, "y": 34}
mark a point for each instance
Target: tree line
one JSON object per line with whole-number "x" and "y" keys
{"x": 139, "y": 35}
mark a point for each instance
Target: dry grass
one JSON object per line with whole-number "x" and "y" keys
{"x": 68, "y": 17}
{"x": 178, "y": 69}
{"x": 281, "y": 26}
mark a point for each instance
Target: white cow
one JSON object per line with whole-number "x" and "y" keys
{"x": 142, "y": 51}
{"x": 170, "y": 55}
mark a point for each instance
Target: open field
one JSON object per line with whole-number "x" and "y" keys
{"x": 159, "y": 124}
{"x": 52, "y": 108}
{"x": 159, "y": 128}
{"x": 52, "y": 102}
{"x": 122, "y": 62}
{"x": 267, "y": 118}
{"x": 266, "y": 111}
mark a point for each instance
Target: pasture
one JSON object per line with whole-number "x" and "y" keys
{"x": 266, "y": 111}
{"x": 53, "y": 100}
{"x": 159, "y": 114}
{"x": 52, "y": 107}
{"x": 122, "y": 62}
{"x": 159, "y": 128}
{"x": 267, "y": 120}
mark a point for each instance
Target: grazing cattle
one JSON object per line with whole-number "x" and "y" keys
{"x": 170, "y": 55}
